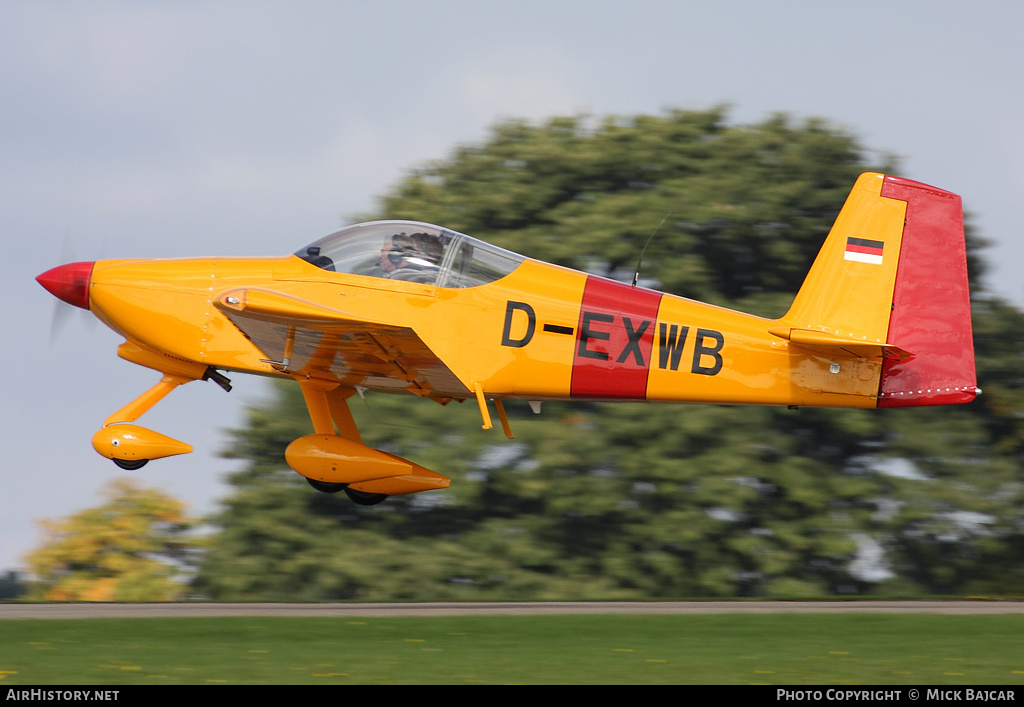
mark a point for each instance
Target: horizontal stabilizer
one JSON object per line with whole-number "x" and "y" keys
{"x": 834, "y": 344}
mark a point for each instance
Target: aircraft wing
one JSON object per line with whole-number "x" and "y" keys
{"x": 299, "y": 336}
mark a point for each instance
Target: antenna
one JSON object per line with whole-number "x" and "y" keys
{"x": 640, "y": 260}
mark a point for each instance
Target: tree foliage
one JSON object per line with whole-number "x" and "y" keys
{"x": 636, "y": 500}
{"x": 11, "y": 585}
{"x": 132, "y": 548}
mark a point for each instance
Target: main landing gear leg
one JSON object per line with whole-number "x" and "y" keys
{"x": 336, "y": 456}
{"x": 328, "y": 409}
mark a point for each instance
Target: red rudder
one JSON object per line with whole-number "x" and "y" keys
{"x": 931, "y": 307}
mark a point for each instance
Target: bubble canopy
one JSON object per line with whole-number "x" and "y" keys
{"x": 413, "y": 252}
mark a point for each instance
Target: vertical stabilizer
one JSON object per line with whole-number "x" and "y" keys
{"x": 848, "y": 291}
{"x": 893, "y": 271}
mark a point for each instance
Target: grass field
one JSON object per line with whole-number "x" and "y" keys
{"x": 798, "y": 649}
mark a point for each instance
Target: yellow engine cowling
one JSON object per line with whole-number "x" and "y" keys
{"x": 338, "y": 460}
{"x": 134, "y": 443}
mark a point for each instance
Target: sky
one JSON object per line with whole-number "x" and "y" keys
{"x": 181, "y": 129}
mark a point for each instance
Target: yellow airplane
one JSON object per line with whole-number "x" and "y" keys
{"x": 882, "y": 320}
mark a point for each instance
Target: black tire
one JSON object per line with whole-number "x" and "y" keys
{"x": 130, "y": 464}
{"x": 365, "y": 499}
{"x": 325, "y": 486}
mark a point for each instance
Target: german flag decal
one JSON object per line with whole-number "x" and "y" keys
{"x": 862, "y": 250}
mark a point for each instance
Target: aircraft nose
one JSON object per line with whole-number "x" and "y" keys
{"x": 69, "y": 282}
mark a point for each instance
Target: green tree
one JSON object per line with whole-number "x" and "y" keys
{"x": 636, "y": 500}
{"x": 132, "y": 548}
{"x": 11, "y": 585}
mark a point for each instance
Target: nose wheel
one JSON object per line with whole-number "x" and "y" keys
{"x": 130, "y": 464}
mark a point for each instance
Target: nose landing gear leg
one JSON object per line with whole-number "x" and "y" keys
{"x": 131, "y": 446}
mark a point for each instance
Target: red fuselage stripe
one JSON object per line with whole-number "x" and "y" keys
{"x": 614, "y": 340}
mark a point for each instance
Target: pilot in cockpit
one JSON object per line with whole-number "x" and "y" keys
{"x": 414, "y": 258}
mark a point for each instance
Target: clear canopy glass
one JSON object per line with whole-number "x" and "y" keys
{"x": 413, "y": 252}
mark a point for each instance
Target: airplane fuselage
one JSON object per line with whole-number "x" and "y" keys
{"x": 542, "y": 332}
